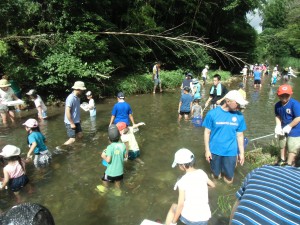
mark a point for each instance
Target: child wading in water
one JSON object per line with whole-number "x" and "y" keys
{"x": 192, "y": 207}
{"x": 36, "y": 142}
{"x": 14, "y": 172}
{"x": 114, "y": 155}
{"x": 91, "y": 106}
{"x": 197, "y": 113}
{"x": 127, "y": 137}
{"x": 39, "y": 104}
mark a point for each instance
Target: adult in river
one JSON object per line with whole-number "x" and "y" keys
{"x": 223, "y": 136}
{"x": 121, "y": 111}
{"x": 217, "y": 93}
{"x": 269, "y": 195}
{"x": 72, "y": 113}
{"x": 287, "y": 117}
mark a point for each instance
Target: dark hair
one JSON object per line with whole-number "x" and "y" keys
{"x": 15, "y": 158}
{"x": 197, "y": 100}
{"x": 33, "y": 129}
{"x": 190, "y": 164}
{"x": 217, "y": 76}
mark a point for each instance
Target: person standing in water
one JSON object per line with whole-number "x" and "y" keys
{"x": 156, "y": 76}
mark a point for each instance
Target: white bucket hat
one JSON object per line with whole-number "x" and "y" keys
{"x": 183, "y": 156}
{"x": 4, "y": 83}
{"x": 10, "y": 150}
{"x": 236, "y": 96}
{"x": 31, "y": 123}
{"x": 79, "y": 85}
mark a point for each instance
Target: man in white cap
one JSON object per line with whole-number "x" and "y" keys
{"x": 192, "y": 207}
{"x": 72, "y": 113}
{"x": 223, "y": 136}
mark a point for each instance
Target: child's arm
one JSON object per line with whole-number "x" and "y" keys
{"x": 179, "y": 106}
{"x": 32, "y": 147}
{"x": 179, "y": 206}
{"x": 138, "y": 124}
{"x": 39, "y": 109}
{"x": 210, "y": 183}
{"x": 201, "y": 112}
{"x": 105, "y": 157}
{"x": 5, "y": 179}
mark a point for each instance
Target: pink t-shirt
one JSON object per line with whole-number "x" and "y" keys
{"x": 14, "y": 170}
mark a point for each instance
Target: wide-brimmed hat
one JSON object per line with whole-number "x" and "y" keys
{"x": 121, "y": 95}
{"x": 31, "y": 123}
{"x": 4, "y": 83}
{"x": 284, "y": 89}
{"x": 121, "y": 125}
{"x": 79, "y": 85}
{"x": 183, "y": 156}
{"x": 10, "y": 150}
{"x": 236, "y": 96}
{"x": 31, "y": 92}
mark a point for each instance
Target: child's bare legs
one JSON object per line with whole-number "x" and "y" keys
{"x": 4, "y": 117}
{"x": 118, "y": 184}
{"x": 186, "y": 116}
{"x": 179, "y": 117}
{"x": 171, "y": 214}
{"x": 11, "y": 115}
{"x": 139, "y": 160}
{"x": 291, "y": 158}
{"x": 18, "y": 197}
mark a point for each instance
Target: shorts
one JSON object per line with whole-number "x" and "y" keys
{"x": 112, "y": 179}
{"x": 257, "y": 81}
{"x": 187, "y": 222}
{"x": 292, "y": 143}
{"x": 184, "y": 113}
{"x": 43, "y": 159}
{"x": 223, "y": 164}
{"x": 72, "y": 132}
{"x": 133, "y": 154}
{"x": 204, "y": 79}
{"x": 156, "y": 81}
{"x": 16, "y": 184}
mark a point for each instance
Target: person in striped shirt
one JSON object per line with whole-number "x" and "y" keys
{"x": 269, "y": 195}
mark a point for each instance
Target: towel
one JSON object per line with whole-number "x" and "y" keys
{"x": 219, "y": 90}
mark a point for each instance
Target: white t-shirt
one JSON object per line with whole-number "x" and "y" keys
{"x": 91, "y": 104}
{"x": 39, "y": 103}
{"x": 196, "y": 207}
{"x": 130, "y": 138}
{"x": 244, "y": 71}
{"x": 156, "y": 71}
{"x": 204, "y": 72}
{"x": 6, "y": 96}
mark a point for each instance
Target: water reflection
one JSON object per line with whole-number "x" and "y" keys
{"x": 67, "y": 187}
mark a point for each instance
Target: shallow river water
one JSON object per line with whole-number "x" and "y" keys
{"x": 67, "y": 187}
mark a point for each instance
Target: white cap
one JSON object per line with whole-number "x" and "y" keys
{"x": 31, "y": 123}
{"x": 10, "y": 150}
{"x": 31, "y": 92}
{"x": 88, "y": 93}
{"x": 206, "y": 66}
{"x": 183, "y": 156}
{"x": 236, "y": 96}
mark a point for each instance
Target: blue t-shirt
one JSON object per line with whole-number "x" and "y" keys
{"x": 257, "y": 75}
{"x": 73, "y": 102}
{"x": 121, "y": 111}
{"x": 186, "y": 100}
{"x": 197, "y": 94}
{"x": 269, "y": 195}
{"x": 287, "y": 113}
{"x": 39, "y": 139}
{"x": 224, "y": 126}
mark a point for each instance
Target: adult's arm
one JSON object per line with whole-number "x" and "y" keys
{"x": 234, "y": 207}
{"x": 69, "y": 116}
{"x": 208, "y": 156}
{"x": 294, "y": 122}
{"x": 131, "y": 119}
{"x": 208, "y": 101}
{"x": 112, "y": 120}
{"x": 240, "y": 140}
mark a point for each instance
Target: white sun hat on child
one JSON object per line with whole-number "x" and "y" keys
{"x": 236, "y": 96}
{"x": 183, "y": 156}
{"x": 10, "y": 150}
{"x": 31, "y": 123}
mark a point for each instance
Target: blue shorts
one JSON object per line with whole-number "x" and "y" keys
{"x": 187, "y": 222}
{"x": 72, "y": 132}
{"x": 223, "y": 164}
{"x": 133, "y": 154}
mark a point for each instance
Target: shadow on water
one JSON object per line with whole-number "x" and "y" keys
{"x": 67, "y": 187}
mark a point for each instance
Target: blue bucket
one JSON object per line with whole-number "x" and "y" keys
{"x": 197, "y": 121}
{"x": 104, "y": 163}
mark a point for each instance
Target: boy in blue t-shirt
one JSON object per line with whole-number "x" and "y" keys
{"x": 185, "y": 104}
{"x": 287, "y": 117}
{"x": 114, "y": 155}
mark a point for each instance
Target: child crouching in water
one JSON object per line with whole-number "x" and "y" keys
{"x": 127, "y": 137}
{"x": 36, "y": 142}
{"x": 114, "y": 155}
{"x": 14, "y": 172}
{"x": 192, "y": 206}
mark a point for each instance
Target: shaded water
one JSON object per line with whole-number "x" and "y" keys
{"x": 67, "y": 187}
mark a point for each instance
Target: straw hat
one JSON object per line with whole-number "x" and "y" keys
{"x": 10, "y": 150}
{"x": 4, "y": 83}
{"x": 79, "y": 85}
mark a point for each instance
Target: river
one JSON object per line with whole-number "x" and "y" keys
{"x": 67, "y": 187}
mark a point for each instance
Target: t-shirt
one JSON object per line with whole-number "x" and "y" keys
{"x": 39, "y": 103}
{"x": 7, "y": 96}
{"x": 197, "y": 110}
{"x": 130, "y": 138}
{"x": 204, "y": 72}
{"x": 257, "y": 75}
{"x": 73, "y": 102}
{"x": 156, "y": 71}
{"x": 15, "y": 170}
{"x": 196, "y": 207}
{"x": 287, "y": 113}
{"x": 116, "y": 151}
{"x": 224, "y": 126}
{"x": 39, "y": 139}
{"x": 269, "y": 195}
{"x": 244, "y": 71}
{"x": 215, "y": 96}
{"x": 121, "y": 111}
{"x": 197, "y": 94}
{"x": 186, "y": 83}
{"x": 186, "y": 100}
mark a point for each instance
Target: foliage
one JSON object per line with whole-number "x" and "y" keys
{"x": 289, "y": 61}
{"x": 225, "y": 75}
